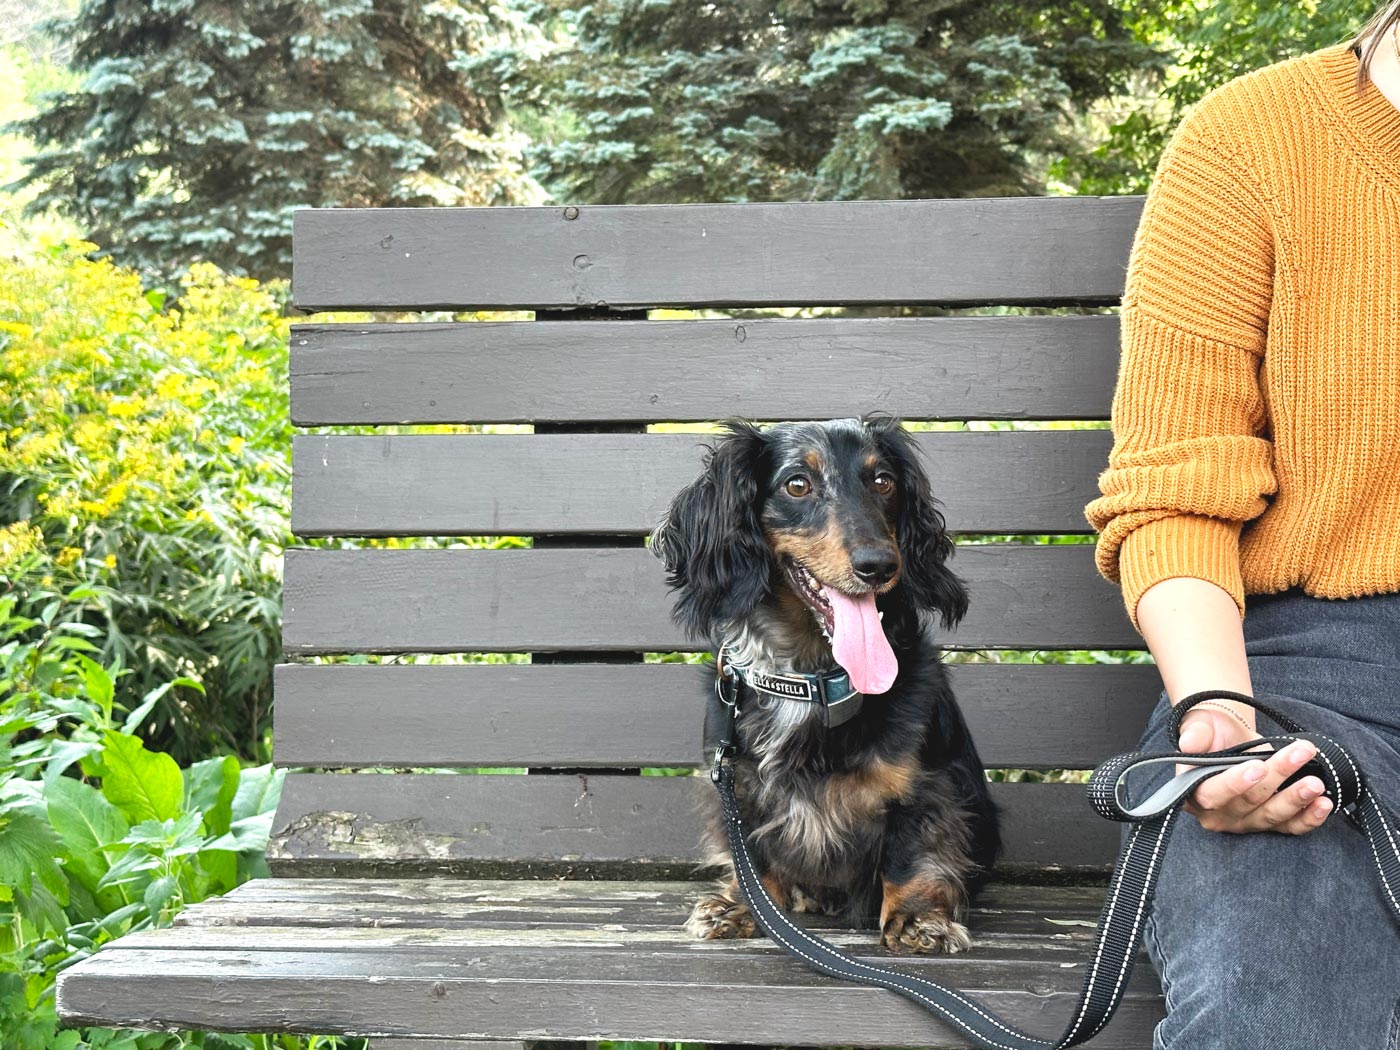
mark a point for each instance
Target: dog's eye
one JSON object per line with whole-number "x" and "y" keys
{"x": 797, "y": 486}
{"x": 884, "y": 483}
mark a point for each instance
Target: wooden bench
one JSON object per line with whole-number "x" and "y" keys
{"x": 425, "y": 905}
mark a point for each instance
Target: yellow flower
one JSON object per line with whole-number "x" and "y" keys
{"x": 235, "y": 444}
{"x": 68, "y": 555}
{"x": 17, "y": 540}
{"x": 125, "y": 408}
{"x": 170, "y": 386}
{"x": 110, "y": 561}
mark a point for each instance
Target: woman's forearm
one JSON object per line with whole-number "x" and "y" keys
{"x": 1194, "y": 631}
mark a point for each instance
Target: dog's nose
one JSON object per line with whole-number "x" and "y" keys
{"x": 874, "y": 565}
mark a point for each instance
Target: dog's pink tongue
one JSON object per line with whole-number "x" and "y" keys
{"x": 859, "y": 643}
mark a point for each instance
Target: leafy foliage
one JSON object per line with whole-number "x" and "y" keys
{"x": 1211, "y": 42}
{"x": 99, "y": 835}
{"x": 744, "y": 101}
{"x": 198, "y": 127}
{"x": 144, "y": 451}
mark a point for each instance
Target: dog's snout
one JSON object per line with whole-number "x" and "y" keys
{"x": 874, "y": 565}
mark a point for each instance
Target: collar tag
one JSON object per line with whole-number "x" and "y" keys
{"x": 832, "y": 690}
{"x": 790, "y": 686}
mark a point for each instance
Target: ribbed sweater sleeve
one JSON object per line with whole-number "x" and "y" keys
{"x": 1190, "y": 462}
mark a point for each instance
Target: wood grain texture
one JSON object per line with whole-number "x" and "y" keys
{"x": 461, "y": 824}
{"x": 490, "y": 484}
{"x": 1014, "y": 915}
{"x": 634, "y": 371}
{"x": 384, "y": 601}
{"x": 990, "y": 250}
{"x": 580, "y": 960}
{"x": 335, "y": 715}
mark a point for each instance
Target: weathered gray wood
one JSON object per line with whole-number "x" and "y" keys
{"x": 335, "y": 715}
{"x": 1007, "y": 249}
{"x": 443, "y": 1044}
{"x": 485, "y": 825}
{"x": 552, "y": 991}
{"x": 415, "y": 951}
{"x": 1015, "y": 917}
{"x": 1023, "y": 596}
{"x": 477, "y": 484}
{"x": 605, "y": 371}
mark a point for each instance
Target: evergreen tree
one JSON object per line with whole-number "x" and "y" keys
{"x": 199, "y": 126}
{"x": 821, "y": 99}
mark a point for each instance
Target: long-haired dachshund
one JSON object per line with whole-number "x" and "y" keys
{"x": 809, "y": 554}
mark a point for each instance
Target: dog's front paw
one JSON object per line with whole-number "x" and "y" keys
{"x": 717, "y": 917}
{"x": 931, "y": 933}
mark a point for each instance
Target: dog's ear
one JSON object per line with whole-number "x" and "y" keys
{"x": 711, "y": 540}
{"x": 924, "y": 544}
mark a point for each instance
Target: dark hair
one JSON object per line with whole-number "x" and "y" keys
{"x": 1375, "y": 30}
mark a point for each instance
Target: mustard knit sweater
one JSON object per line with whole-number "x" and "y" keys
{"x": 1256, "y": 420}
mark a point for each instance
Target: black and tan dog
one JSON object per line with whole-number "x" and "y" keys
{"x": 810, "y": 553}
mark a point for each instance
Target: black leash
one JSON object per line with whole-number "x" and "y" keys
{"x": 1129, "y": 890}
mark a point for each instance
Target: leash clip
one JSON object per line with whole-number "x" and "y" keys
{"x": 727, "y": 689}
{"x": 723, "y": 753}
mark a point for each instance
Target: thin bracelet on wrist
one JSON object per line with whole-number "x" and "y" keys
{"x": 1229, "y": 711}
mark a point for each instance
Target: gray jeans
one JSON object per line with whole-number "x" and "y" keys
{"x": 1279, "y": 942}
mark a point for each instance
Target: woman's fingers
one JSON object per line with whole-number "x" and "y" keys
{"x": 1296, "y": 809}
{"x": 1312, "y": 817}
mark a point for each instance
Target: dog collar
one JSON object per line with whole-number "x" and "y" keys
{"x": 831, "y": 690}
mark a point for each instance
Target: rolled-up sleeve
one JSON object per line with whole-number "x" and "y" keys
{"x": 1191, "y": 461}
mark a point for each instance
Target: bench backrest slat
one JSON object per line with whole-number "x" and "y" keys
{"x": 996, "y": 367}
{"x": 621, "y": 484}
{"x": 582, "y": 825}
{"x": 1004, "y": 250}
{"x": 343, "y": 716}
{"x": 452, "y": 601}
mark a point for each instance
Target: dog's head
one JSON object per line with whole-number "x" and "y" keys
{"x": 839, "y": 513}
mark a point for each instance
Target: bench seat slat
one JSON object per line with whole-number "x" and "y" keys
{"x": 386, "y": 601}
{"x": 474, "y": 484}
{"x": 333, "y": 715}
{"x": 653, "y": 906}
{"x": 558, "y": 979}
{"x": 990, "y": 250}
{"x": 1010, "y": 367}
{"x": 494, "y": 825}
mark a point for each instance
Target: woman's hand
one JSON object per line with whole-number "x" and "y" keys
{"x": 1246, "y": 798}
{"x": 1194, "y": 630}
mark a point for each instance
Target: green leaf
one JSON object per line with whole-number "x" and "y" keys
{"x": 97, "y": 683}
{"x": 159, "y": 893}
{"x": 169, "y": 838}
{"x": 64, "y": 753}
{"x": 130, "y": 866}
{"x": 87, "y": 822}
{"x": 29, "y": 851}
{"x": 248, "y": 835}
{"x": 138, "y": 715}
{"x": 259, "y": 788}
{"x": 146, "y": 784}
{"x": 221, "y": 868}
{"x": 210, "y": 786}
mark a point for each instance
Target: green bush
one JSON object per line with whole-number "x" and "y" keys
{"x": 98, "y": 834}
{"x": 144, "y": 454}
